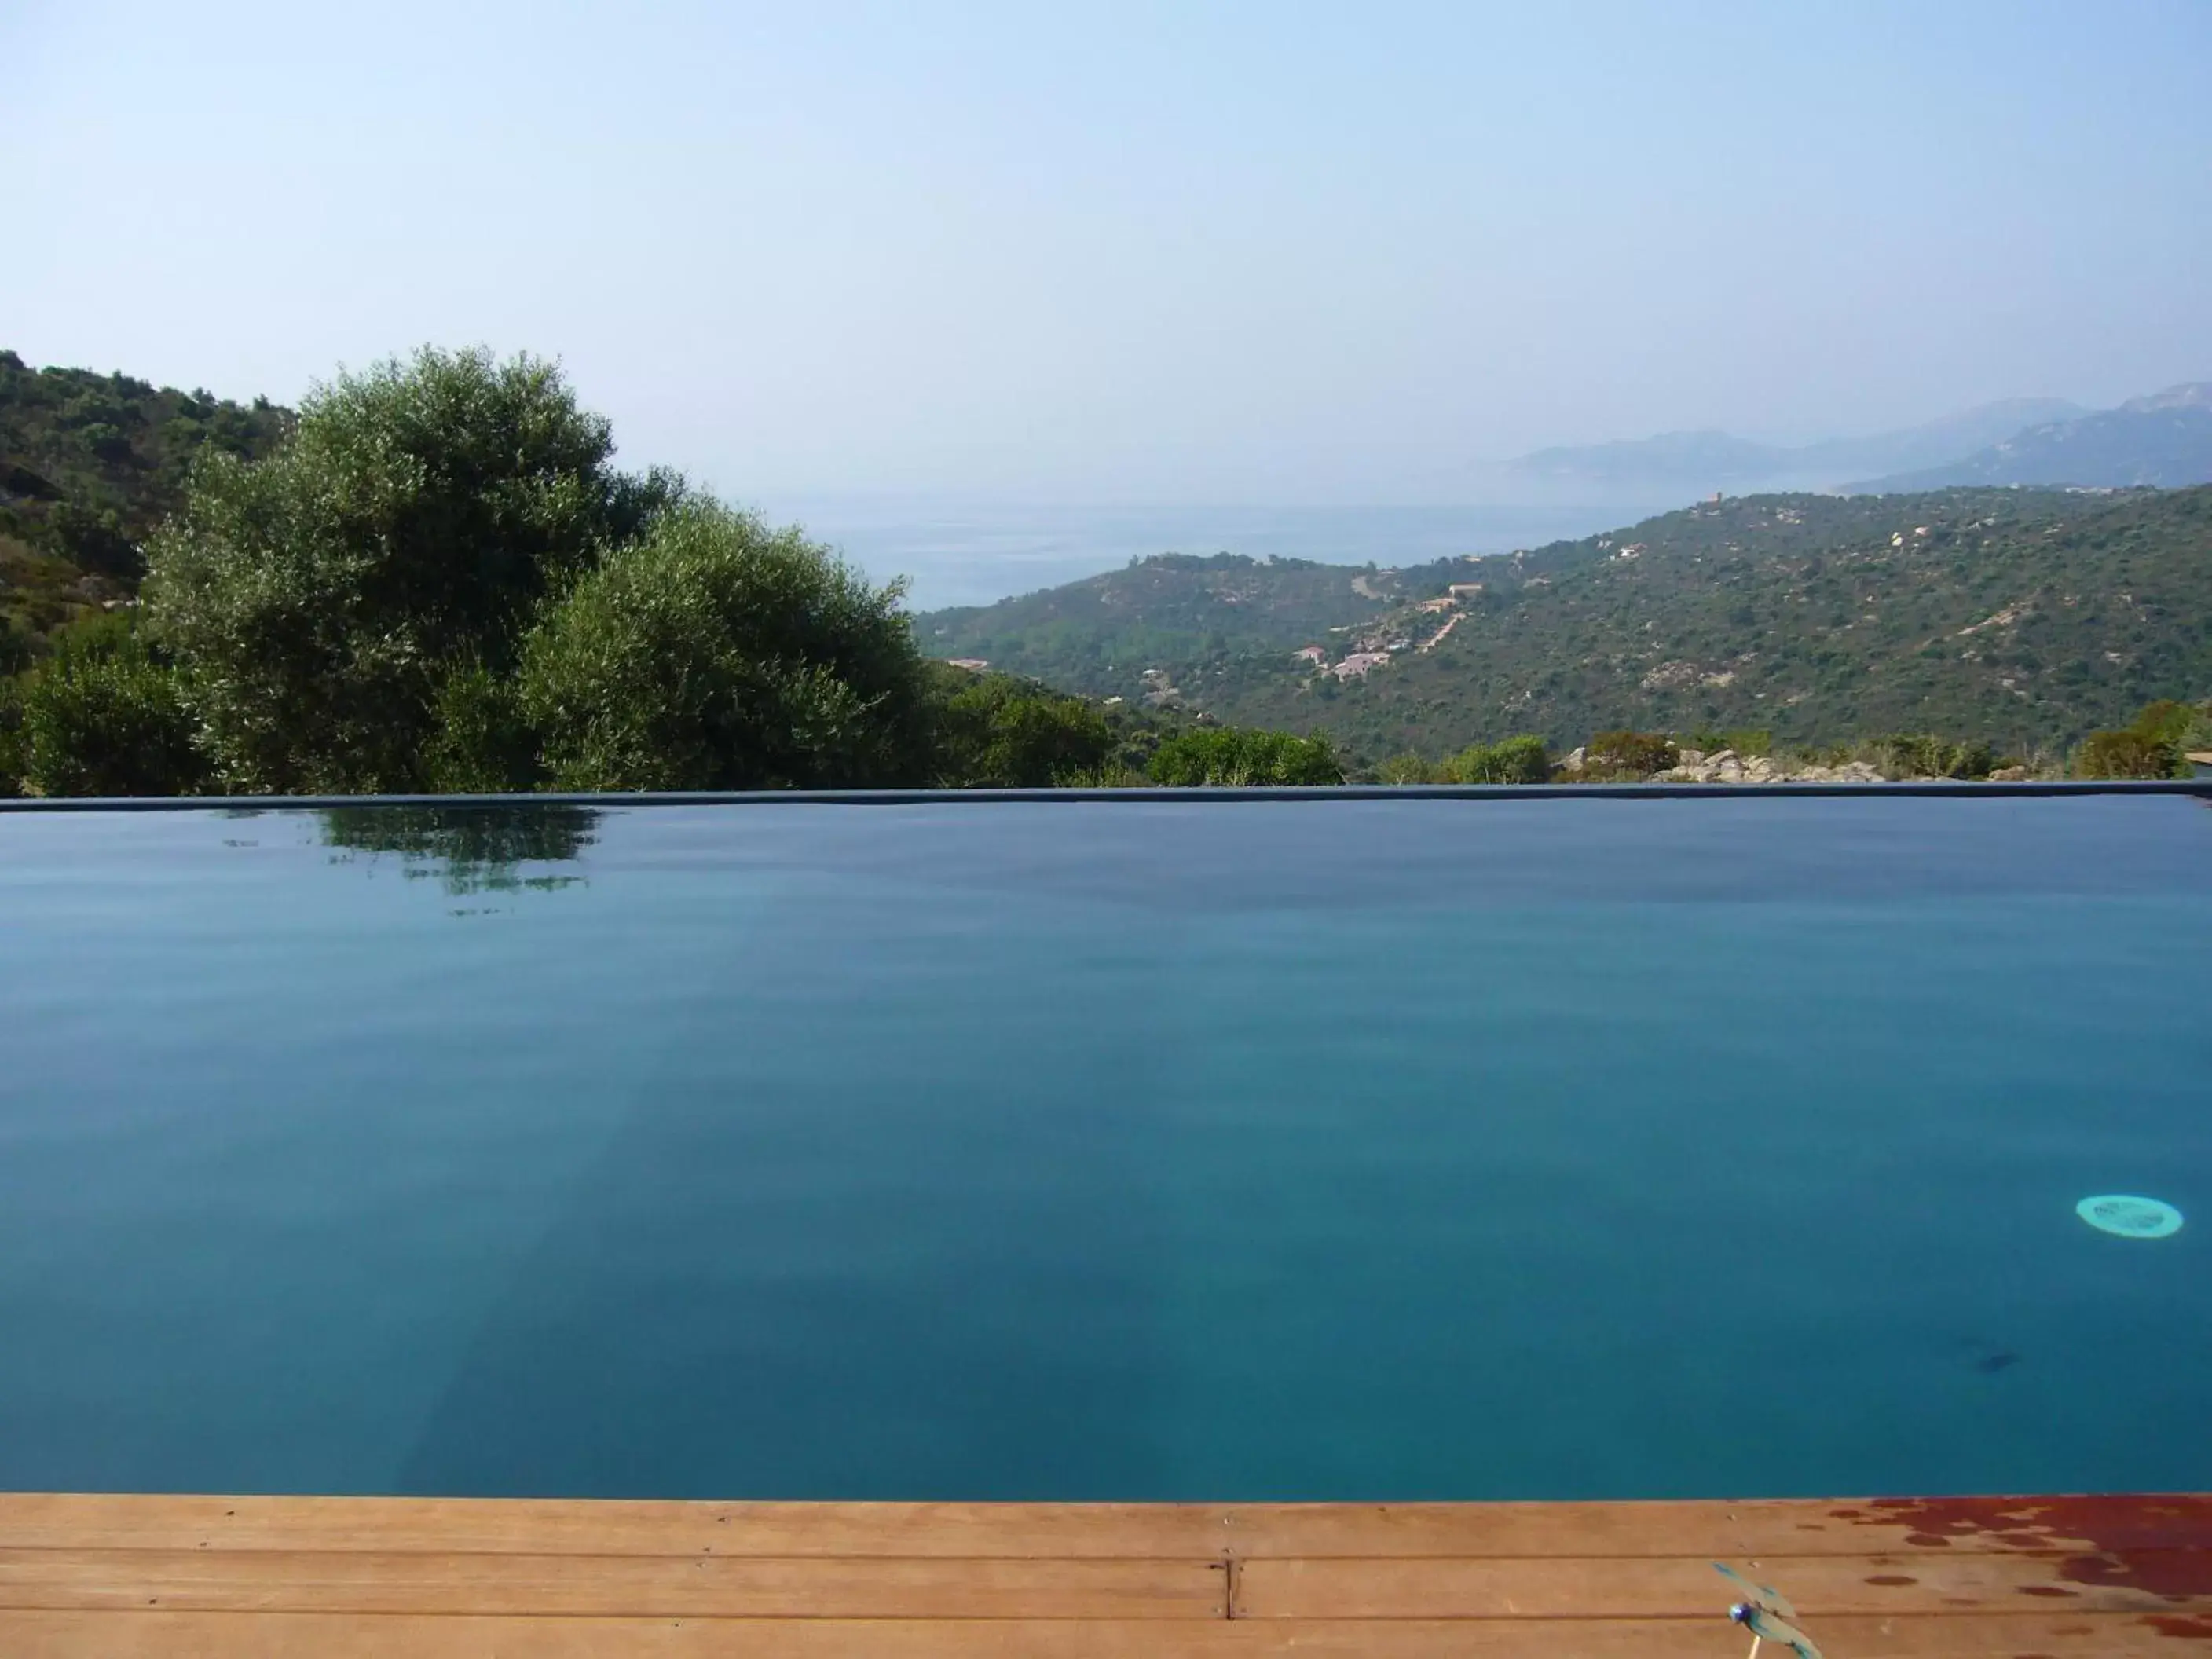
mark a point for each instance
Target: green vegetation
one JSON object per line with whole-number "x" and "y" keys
{"x": 1199, "y": 616}
{"x": 437, "y": 581}
{"x": 992, "y": 730}
{"x": 1517, "y": 760}
{"x": 434, "y": 578}
{"x": 2123, "y": 755}
{"x": 1747, "y": 740}
{"x": 89, "y": 465}
{"x": 319, "y": 599}
{"x": 1631, "y": 754}
{"x": 2022, "y": 619}
{"x": 2156, "y": 743}
{"x": 1923, "y": 755}
{"x": 717, "y": 654}
{"x": 104, "y": 715}
{"x": 1220, "y": 755}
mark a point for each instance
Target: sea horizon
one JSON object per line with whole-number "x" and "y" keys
{"x": 977, "y": 550}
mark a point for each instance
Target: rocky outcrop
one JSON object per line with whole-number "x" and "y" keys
{"x": 1726, "y": 766}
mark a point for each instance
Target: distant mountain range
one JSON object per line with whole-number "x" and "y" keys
{"x": 2164, "y": 439}
{"x": 1705, "y": 461}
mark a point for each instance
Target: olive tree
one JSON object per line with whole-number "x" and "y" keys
{"x": 319, "y": 600}
{"x": 716, "y": 654}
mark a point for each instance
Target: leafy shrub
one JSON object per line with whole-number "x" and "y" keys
{"x": 1517, "y": 760}
{"x": 1406, "y": 768}
{"x": 11, "y": 737}
{"x": 94, "y": 540}
{"x": 1630, "y": 753}
{"x": 481, "y": 742}
{"x": 1923, "y": 755}
{"x": 719, "y": 654}
{"x": 2165, "y": 721}
{"x": 994, "y": 731}
{"x": 2196, "y": 738}
{"x": 1113, "y": 775}
{"x": 104, "y": 441}
{"x": 1225, "y": 756}
{"x": 2126, "y": 755}
{"x": 2154, "y": 744}
{"x": 102, "y": 716}
{"x": 17, "y": 648}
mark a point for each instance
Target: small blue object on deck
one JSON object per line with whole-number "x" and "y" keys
{"x": 2125, "y": 1217}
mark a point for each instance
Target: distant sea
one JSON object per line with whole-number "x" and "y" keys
{"x": 974, "y": 552}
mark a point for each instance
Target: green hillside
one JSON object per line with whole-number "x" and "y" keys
{"x": 89, "y": 464}
{"x": 2026, "y": 617}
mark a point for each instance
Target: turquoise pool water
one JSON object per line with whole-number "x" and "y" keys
{"x": 1360, "y": 1149}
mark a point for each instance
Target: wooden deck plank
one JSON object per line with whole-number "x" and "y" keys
{"x": 892, "y": 1587}
{"x": 699, "y": 1586}
{"x": 1066, "y": 1532}
{"x": 286, "y": 1636}
{"x": 1820, "y": 1586}
{"x": 612, "y": 1526}
{"x": 161, "y": 1577}
{"x": 1728, "y": 1529}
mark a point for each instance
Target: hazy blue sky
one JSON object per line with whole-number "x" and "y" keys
{"x": 1127, "y": 251}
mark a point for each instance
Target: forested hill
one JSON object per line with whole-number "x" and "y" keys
{"x": 89, "y": 464}
{"x": 2026, "y": 618}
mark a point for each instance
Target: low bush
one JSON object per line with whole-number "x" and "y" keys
{"x": 1923, "y": 755}
{"x": 1406, "y": 768}
{"x": 1226, "y": 756}
{"x": 103, "y": 716}
{"x": 1517, "y": 760}
{"x": 2128, "y": 754}
{"x": 995, "y": 731}
{"x": 1631, "y": 754}
{"x": 2165, "y": 721}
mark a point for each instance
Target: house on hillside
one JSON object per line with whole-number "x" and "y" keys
{"x": 973, "y": 665}
{"x": 2199, "y": 764}
{"x": 1356, "y": 665}
{"x": 1464, "y": 590}
{"x": 1312, "y": 653}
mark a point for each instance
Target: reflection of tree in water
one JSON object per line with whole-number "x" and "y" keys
{"x": 474, "y": 849}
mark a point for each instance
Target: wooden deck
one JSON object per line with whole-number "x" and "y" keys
{"x": 339, "y": 1577}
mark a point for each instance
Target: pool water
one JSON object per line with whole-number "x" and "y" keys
{"x": 1414, "y": 1148}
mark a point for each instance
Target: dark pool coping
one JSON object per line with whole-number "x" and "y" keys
{"x": 2199, "y": 787}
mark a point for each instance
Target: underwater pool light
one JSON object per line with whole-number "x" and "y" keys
{"x": 2126, "y": 1216}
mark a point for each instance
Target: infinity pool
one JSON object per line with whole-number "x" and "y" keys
{"x": 1108, "y": 1150}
